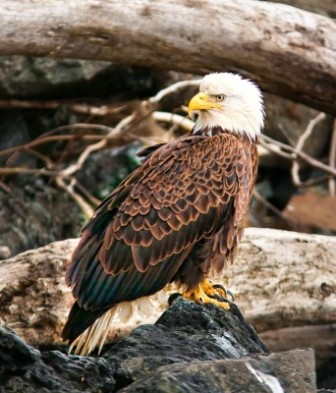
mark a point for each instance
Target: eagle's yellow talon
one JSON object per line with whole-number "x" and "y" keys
{"x": 206, "y": 293}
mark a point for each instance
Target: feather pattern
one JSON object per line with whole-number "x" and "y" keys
{"x": 176, "y": 217}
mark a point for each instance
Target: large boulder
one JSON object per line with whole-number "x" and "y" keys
{"x": 183, "y": 351}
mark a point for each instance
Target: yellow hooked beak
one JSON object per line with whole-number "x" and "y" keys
{"x": 202, "y": 101}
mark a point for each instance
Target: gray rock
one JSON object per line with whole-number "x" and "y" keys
{"x": 35, "y": 204}
{"x": 191, "y": 348}
{"x": 27, "y": 211}
{"x": 19, "y": 356}
{"x": 105, "y": 169}
{"x": 14, "y": 131}
{"x": 185, "y": 332}
{"x": 25, "y": 369}
{"x": 25, "y": 77}
{"x": 291, "y": 372}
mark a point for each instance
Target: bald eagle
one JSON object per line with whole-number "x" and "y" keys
{"x": 176, "y": 218}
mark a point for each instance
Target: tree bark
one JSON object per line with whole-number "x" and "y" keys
{"x": 290, "y": 52}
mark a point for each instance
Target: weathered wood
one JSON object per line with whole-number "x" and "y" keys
{"x": 284, "y": 279}
{"x": 280, "y": 279}
{"x": 288, "y": 51}
{"x": 322, "y": 338}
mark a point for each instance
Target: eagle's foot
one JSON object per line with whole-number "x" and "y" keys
{"x": 225, "y": 293}
{"x": 206, "y": 293}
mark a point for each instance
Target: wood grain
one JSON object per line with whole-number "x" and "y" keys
{"x": 290, "y": 52}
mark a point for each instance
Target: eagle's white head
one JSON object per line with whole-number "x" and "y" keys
{"x": 230, "y": 102}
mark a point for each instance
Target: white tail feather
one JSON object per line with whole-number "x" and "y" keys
{"x": 126, "y": 315}
{"x": 107, "y": 329}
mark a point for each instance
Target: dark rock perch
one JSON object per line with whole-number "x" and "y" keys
{"x": 191, "y": 348}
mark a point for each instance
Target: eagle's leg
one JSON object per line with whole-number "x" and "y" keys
{"x": 205, "y": 292}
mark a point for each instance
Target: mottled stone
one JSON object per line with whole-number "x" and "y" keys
{"x": 28, "y": 77}
{"x": 278, "y": 373}
{"x": 14, "y": 353}
{"x": 185, "y": 332}
{"x": 192, "y": 348}
{"x": 34, "y": 215}
{"x": 25, "y": 369}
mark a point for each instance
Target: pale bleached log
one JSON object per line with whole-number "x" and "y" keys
{"x": 280, "y": 279}
{"x": 290, "y": 52}
{"x": 285, "y": 278}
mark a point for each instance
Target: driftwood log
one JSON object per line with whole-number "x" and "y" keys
{"x": 290, "y": 52}
{"x": 284, "y": 283}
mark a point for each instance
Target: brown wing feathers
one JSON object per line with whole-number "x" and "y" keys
{"x": 143, "y": 233}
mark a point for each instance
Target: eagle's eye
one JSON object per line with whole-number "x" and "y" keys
{"x": 220, "y": 97}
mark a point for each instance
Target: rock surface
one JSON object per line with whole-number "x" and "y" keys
{"x": 185, "y": 332}
{"x": 34, "y": 204}
{"x": 291, "y": 372}
{"x": 25, "y": 369}
{"x": 182, "y": 352}
{"x": 26, "y": 212}
{"x": 27, "y": 77}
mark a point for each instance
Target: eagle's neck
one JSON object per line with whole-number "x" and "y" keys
{"x": 217, "y": 130}
{"x": 239, "y": 122}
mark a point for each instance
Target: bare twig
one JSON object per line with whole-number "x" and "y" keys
{"x": 291, "y": 153}
{"x": 95, "y": 201}
{"x": 175, "y": 119}
{"x": 314, "y": 181}
{"x": 332, "y": 160}
{"x": 69, "y": 188}
{"x": 50, "y": 164}
{"x": 76, "y": 107}
{"x": 27, "y": 171}
{"x": 108, "y": 135}
{"x": 273, "y": 146}
{"x": 173, "y": 89}
{"x": 52, "y": 138}
{"x": 299, "y": 147}
{"x": 113, "y": 133}
{"x": 4, "y": 187}
{"x": 269, "y": 205}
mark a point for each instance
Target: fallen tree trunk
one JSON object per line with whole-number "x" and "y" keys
{"x": 290, "y": 52}
{"x": 280, "y": 279}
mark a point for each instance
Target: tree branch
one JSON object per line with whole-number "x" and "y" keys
{"x": 288, "y": 51}
{"x": 299, "y": 147}
{"x": 292, "y": 153}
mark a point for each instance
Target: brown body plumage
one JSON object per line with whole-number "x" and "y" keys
{"x": 177, "y": 217}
